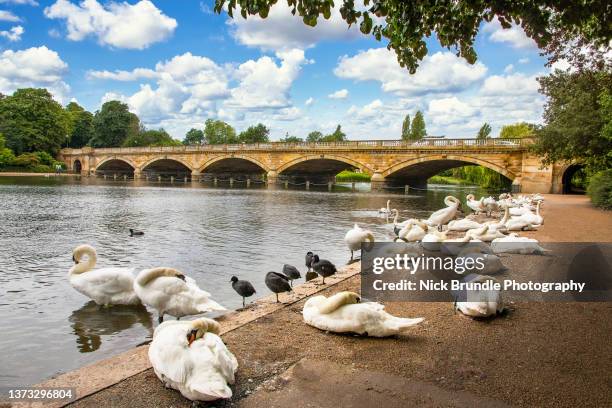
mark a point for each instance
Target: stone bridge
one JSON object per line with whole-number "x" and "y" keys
{"x": 386, "y": 161}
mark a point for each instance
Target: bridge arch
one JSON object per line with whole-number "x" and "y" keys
{"x": 437, "y": 163}
{"x": 165, "y": 160}
{"x": 223, "y": 164}
{"x": 300, "y": 164}
{"x": 117, "y": 165}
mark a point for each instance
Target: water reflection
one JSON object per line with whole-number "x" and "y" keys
{"x": 91, "y": 322}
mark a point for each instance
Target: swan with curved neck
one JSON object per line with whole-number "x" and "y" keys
{"x": 355, "y": 236}
{"x": 343, "y": 313}
{"x": 531, "y": 218}
{"x": 169, "y": 291}
{"x": 476, "y": 205}
{"x": 484, "y": 234}
{"x": 105, "y": 286}
{"x": 386, "y": 211}
{"x": 189, "y": 356}
{"x": 444, "y": 215}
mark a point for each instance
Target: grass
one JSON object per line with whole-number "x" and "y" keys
{"x": 352, "y": 176}
{"x": 448, "y": 180}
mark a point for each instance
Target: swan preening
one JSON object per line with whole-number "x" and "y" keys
{"x": 105, "y": 286}
{"x": 355, "y": 236}
{"x": 480, "y": 300}
{"x": 476, "y": 206}
{"x": 189, "y": 356}
{"x": 169, "y": 291}
{"x": 444, "y": 215}
{"x": 342, "y": 313}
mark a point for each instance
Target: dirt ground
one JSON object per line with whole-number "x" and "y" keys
{"x": 538, "y": 354}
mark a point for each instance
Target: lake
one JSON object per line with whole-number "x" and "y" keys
{"x": 209, "y": 233}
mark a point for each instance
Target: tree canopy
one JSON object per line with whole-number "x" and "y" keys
{"x": 80, "y": 126}
{"x": 31, "y": 120}
{"x": 291, "y": 139}
{"x": 417, "y": 130}
{"x": 407, "y": 24}
{"x": 484, "y": 132}
{"x": 151, "y": 137}
{"x": 113, "y": 124}
{"x": 578, "y": 118}
{"x": 219, "y": 132}
{"x": 194, "y": 137}
{"x": 337, "y": 136}
{"x": 255, "y": 134}
{"x": 406, "y": 128}
{"x": 517, "y": 130}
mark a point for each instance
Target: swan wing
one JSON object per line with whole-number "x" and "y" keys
{"x": 214, "y": 367}
{"x": 169, "y": 353}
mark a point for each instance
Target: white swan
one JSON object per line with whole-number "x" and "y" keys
{"x": 355, "y": 236}
{"x": 414, "y": 231}
{"x": 341, "y": 313}
{"x": 476, "y": 205}
{"x": 463, "y": 224}
{"x": 190, "y": 357}
{"x": 518, "y": 224}
{"x": 490, "y": 205}
{"x": 531, "y": 218}
{"x": 491, "y": 263}
{"x": 385, "y": 211}
{"x": 444, "y": 215}
{"x": 485, "y": 233}
{"x": 167, "y": 290}
{"x": 431, "y": 240}
{"x": 513, "y": 244}
{"x": 481, "y": 303}
{"x": 107, "y": 286}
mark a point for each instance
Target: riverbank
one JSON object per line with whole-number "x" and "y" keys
{"x": 539, "y": 354}
{"x": 30, "y": 174}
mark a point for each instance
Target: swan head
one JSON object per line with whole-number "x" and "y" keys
{"x": 78, "y": 252}
{"x": 350, "y": 298}
{"x": 81, "y": 265}
{"x": 200, "y": 327}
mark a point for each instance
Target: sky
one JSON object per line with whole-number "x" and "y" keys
{"x": 176, "y": 64}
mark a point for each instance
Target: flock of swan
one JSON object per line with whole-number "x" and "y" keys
{"x": 189, "y": 356}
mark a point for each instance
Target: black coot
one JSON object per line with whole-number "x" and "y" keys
{"x": 135, "y": 233}
{"x": 291, "y": 272}
{"x": 277, "y": 283}
{"x": 243, "y": 288}
{"x": 323, "y": 267}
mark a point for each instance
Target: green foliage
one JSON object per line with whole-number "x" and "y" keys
{"x": 255, "y": 134}
{"x": 151, "y": 138}
{"x": 37, "y": 162}
{"x": 80, "y": 126}
{"x": 482, "y": 176}
{"x": 314, "y": 136}
{"x": 219, "y": 132}
{"x": 6, "y": 154}
{"x": 194, "y": 137}
{"x": 31, "y": 120}
{"x": 337, "y": 136}
{"x": 484, "y": 132}
{"x": 448, "y": 180}
{"x": 113, "y": 124}
{"x": 406, "y": 25}
{"x": 291, "y": 139}
{"x": 578, "y": 118}
{"x": 517, "y": 131}
{"x": 600, "y": 189}
{"x": 347, "y": 175}
{"x": 417, "y": 130}
{"x": 406, "y": 128}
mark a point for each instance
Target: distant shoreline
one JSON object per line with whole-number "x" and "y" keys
{"x": 25, "y": 174}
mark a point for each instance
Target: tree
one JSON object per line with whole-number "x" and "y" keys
{"x": 113, "y": 124}
{"x": 6, "y": 154}
{"x": 80, "y": 126}
{"x": 484, "y": 132}
{"x": 517, "y": 131}
{"x": 406, "y": 128}
{"x": 194, "y": 137}
{"x": 151, "y": 138}
{"x": 291, "y": 139}
{"x": 314, "y": 136}
{"x": 418, "y": 127}
{"x": 255, "y": 134}
{"x": 578, "y": 117}
{"x": 219, "y": 132}
{"x": 406, "y": 25}
{"x": 31, "y": 120}
{"x": 337, "y": 136}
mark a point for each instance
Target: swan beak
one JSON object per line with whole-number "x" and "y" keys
{"x": 358, "y": 299}
{"x": 191, "y": 338}
{"x": 74, "y": 260}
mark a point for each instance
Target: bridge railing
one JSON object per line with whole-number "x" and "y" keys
{"x": 424, "y": 143}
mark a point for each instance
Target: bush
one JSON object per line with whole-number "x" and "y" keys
{"x": 600, "y": 189}
{"x": 346, "y": 176}
{"x": 27, "y": 160}
{"x": 6, "y": 157}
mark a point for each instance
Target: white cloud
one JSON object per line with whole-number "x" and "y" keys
{"x": 309, "y": 101}
{"x": 120, "y": 25}
{"x": 33, "y": 67}
{"x": 508, "y": 69}
{"x": 8, "y": 16}
{"x": 370, "y": 110}
{"x": 514, "y": 36}
{"x": 120, "y": 75}
{"x": 282, "y": 31}
{"x": 54, "y": 33}
{"x": 513, "y": 84}
{"x": 14, "y": 34}
{"x": 440, "y": 72}
{"x": 263, "y": 84}
{"x": 523, "y": 60}
{"x": 340, "y": 94}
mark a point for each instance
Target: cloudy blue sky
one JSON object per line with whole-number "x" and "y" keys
{"x": 176, "y": 63}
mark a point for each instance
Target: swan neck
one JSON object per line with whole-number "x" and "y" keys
{"x": 147, "y": 276}
{"x": 84, "y": 266}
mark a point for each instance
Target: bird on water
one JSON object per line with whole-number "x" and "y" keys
{"x": 277, "y": 283}
{"x": 291, "y": 272}
{"x": 135, "y": 233}
{"x": 243, "y": 288}
{"x": 323, "y": 267}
